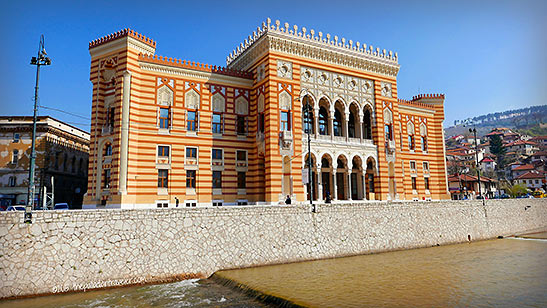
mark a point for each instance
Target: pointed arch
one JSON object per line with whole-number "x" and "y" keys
{"x": 219, "y": 103}
{"x": 192, "y": 99}
{"x": 165, "y": 96}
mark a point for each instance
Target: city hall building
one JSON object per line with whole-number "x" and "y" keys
{"x": 167, "y": 132}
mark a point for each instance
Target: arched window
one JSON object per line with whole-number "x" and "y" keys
{"x": 307, "y": 111}
{"x": 388, "y": 126}
{"x": 410, "y": 132}
{"x": 337, "y": 125}
{"x": 423, "y": 133}
{"x": 339, "y": 163}
{"x": 324, "y": 163}
{"x": 108, "y": 149}
{"x": 367, "y": 125}
{"x": 351, "y": 126}
{"x": 323, "y": 121}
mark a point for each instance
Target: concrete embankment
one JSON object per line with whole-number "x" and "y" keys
{"x": 65, "y": 251}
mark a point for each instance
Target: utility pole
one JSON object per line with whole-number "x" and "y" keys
{"x": 308, "y": 110}
{"x": 40, "y": 60}
{"x": 474, "y": 131}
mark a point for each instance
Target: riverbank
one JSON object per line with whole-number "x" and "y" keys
{"x": 65, "y": 250}
{"x": 498, "y": 273}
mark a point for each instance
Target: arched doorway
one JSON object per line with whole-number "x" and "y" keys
{"x": 341, "y": 177}
{"x": 326, "y": 171}
{"x": 367, "y": 124}
{"x": 370, "y": 182}
{"x": 313, "y": 177}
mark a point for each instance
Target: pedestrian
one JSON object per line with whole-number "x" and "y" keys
{"x": 288, "y": 200}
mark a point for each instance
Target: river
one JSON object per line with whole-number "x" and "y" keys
{"x": 501, "y": 273}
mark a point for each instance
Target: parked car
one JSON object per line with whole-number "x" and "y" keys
{"x": 15, "y": 208}
{"x": 61, "y": 206}
{"x": 505, "y": 196}
{"x": 538, "y": 194}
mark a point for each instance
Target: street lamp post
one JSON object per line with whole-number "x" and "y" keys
{"x": 474, "y": 131}
{"x": 40, "y": 60}
{"x": 308, "y": 110}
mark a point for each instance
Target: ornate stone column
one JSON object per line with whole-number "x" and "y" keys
{"x": 349, "y": 184}
{"x": 331, "y": 127}
{"x": 124, "y": 142}
{"x": 334, "y": 193}
{"x": 319, "y": 182}
{"x": 364, "y": 172}
{"x": 316, "y": 122}
{"x": 346, "y": 124}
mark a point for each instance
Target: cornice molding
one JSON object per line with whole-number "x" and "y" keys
{"x": 197, "y": 74}
{"x": 300, "y": 44}
{"x": 122, "y": 43}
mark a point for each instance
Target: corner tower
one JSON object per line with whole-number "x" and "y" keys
{"x": 114, "y": 67}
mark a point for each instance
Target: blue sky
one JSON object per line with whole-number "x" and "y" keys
{"x": 486, "y": 56}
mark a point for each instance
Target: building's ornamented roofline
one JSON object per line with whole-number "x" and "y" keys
{"x": 122, "y": 33}
{"x": 428, "y": 96}
{"x": 194, "y": 66}
{"x": 340, "y": 45}
{"x": 415, "y": 101}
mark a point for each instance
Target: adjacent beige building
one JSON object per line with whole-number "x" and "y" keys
{"x": 62, "y": 152}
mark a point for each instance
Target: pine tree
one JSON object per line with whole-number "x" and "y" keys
{"x": 497, "y": 148}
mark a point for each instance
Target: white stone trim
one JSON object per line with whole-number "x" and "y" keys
{"x": 207, "y": 77}
{"x": 285, "y": 40}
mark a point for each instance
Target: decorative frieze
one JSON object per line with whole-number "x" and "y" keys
{"x": 386, "y": 89}
{"x": 284, "y": 69}
{"x": 320, "y": 83}
{"x": 293, "y": 42}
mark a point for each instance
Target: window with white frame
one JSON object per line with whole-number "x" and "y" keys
{"x": 163, "y": 177}
{"x": 216, "y": 125}
{"x": 191, "y": 152}
{"x": 216, "y": 155}
{"x": 410, "y": 132}
{"x": 241, "y": 158}
{"x": 191, "y": 179}
{"x": 106, "y": 178}
{"x": 108, "y": 149}
{"x": 426, "y": 183}
{"x": 412, "y": 166}
{"x": 241, "y": 180}
{"x": 15, "y": 157}
{"x": 163, "y": 151}
{"x": 162, "y": 204}
{"x": 217, "y": 179}
{"x": 426, "y": 167}
{"x": 163, "y": 154}
{"x": 423, "y": 134}
{"x": 241, "y": 125}
{"x": 285, "y": 120}
{"x": 12, "y": 181}
{"x": 191, "y": 203}
{"x": 165, "y": 118}
{"x": 192, "y": 121}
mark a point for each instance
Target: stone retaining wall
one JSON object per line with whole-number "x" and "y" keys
{"x": 74, "y": 250}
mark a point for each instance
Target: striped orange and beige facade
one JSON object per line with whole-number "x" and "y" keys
{"x": 167, "y": 132}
